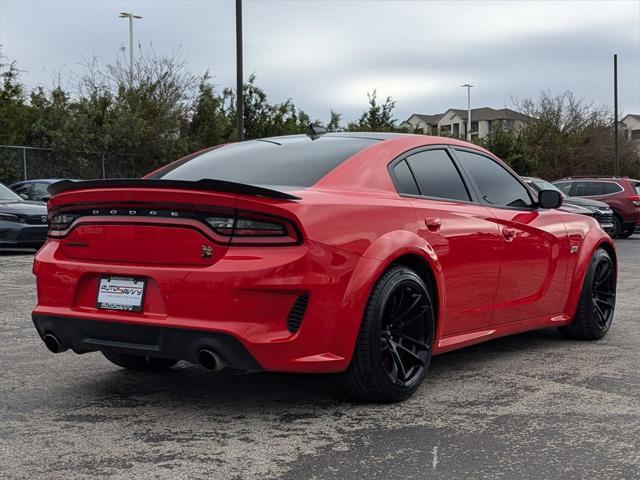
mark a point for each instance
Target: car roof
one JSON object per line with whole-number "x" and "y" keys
{"x": 603, "y": 178}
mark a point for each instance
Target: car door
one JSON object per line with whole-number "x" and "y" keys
{"x": 535, "y": 248}
{"x": 463, "y": 234}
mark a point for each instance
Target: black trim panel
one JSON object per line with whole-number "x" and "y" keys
{"x": 84, "y": 336}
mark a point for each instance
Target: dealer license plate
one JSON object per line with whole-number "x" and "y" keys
{"x": 121, "y": 293}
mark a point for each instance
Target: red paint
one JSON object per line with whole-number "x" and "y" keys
{"x": 496, "y": 271}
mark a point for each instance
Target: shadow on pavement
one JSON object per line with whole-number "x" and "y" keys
{"x": 7, "y": 252}
{"x": 189, "y": 386}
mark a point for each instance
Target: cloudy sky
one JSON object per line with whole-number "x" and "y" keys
{"x": 329, "y": 54}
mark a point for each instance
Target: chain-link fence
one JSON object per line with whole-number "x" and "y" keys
{"x": 19, "y": 162}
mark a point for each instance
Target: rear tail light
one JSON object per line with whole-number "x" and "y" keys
{"x": 229, "y": 227}
{"x": 254, "y": 229}
{"x": 62, "y": 221}
{"x": 635, "y": 199}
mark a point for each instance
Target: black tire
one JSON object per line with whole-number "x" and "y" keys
{"x": 139, "y": 363}
{"x": 627, "y": 233}
{"x": 393, "y": 349}
{"x": 617, "y": 226}
{"x": 596, "y": 306}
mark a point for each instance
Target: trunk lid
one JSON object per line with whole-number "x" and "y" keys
{"x": 156, "y": 222}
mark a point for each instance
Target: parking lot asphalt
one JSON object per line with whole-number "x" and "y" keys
{"x": 529, "y": 406}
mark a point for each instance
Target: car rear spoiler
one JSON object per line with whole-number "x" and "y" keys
{"x": 204, "y": 184}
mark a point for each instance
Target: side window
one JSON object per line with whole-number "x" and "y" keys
{"x": 437, "y": 176}
{"x": 404, "y": 178}
{"x": 24, "y": 189}
{"x": 40, "y": 191}
{"x": 497, "y": 186}
{"x": 611, "y": 187}
{"x": 564, "y": 187}
{"x": 586, "y": 189}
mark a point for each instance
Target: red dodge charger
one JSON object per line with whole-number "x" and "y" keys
{"x": 362, "y": 254}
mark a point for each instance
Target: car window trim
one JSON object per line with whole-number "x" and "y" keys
{"x": 403, "y": 156}
{"x": 573, "y": 184}
{"x": 534, "y": 205}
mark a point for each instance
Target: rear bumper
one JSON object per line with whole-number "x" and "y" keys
{"x": 248, "y": 295}
{"x": 84, "y": 336}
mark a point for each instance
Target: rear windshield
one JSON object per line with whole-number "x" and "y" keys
{"x": 287, "y": 161}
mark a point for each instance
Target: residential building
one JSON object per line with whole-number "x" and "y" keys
{"x": 453, "y": 122}
{"x": 630, "y": 126}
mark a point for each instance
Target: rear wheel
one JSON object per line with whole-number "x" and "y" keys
{"x": 140, "y": 363}
{"x": 597, "y": 301}
{"x": 394, "y": 344}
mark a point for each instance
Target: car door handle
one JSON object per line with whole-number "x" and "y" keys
{"x": 508, "y": 233}
{"x": 433, "y": 224}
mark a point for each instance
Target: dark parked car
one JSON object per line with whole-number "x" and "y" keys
{"x": 622, "y": 194}
{"x": 585, "y": 206}
{"x": 35, "y": 190}
{"x": 23, "y": 223}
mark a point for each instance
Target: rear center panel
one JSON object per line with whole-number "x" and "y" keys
{"x": 246, "y": 292}
{"x": 146, "y": 242}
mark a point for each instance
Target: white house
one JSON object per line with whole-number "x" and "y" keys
{"x": 453, "y": 122}
{"x": 631, "y": 127}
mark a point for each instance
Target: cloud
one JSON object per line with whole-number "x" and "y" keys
{"x": 329, "y": 54}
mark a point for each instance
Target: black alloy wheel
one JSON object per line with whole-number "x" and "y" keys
{"x": 603, "y": 292}
{"x": 597, "y": 303}
{"x": 405, "y": 340}
{"x": 394, "y": 345}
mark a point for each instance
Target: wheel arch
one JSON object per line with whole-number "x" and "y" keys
{"x": 401, "y": 247}
{"x": 420, "y": 265}
{"x": 610, "y": 249}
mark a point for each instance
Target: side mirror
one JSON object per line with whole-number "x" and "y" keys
{"x": 549, "y": 199}
{"x": 23, "y": 196}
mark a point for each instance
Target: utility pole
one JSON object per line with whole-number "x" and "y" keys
{"x": 616, "y": 167}
{"x": 468, "y": 87}
{"x": 239, "y": 75}
{"x": 130, "y": 16}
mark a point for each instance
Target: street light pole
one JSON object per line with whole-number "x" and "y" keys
{"x": 468, "y": 87}
{"x": 616, "y": 160}
{"x": 130, "y": 16}
{"x": 239, "y": 74}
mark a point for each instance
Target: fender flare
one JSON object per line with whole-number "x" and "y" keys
{"x": 371, "y": 265}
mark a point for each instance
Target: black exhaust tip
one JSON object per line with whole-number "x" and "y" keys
{"x": 208, "y": 359}
{"x": 53, "y": 343}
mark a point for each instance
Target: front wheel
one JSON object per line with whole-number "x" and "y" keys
{"x": 617, "y": 227}
{"x": 393, "y": 349}
{"x": 597, "y": 300}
